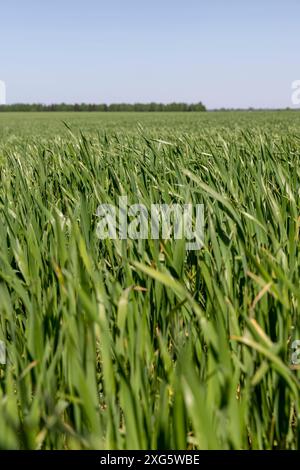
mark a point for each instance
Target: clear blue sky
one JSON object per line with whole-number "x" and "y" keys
{"x": 230, "y": 53}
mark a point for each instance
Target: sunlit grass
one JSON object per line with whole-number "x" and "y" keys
{"x": 112, "y": 345}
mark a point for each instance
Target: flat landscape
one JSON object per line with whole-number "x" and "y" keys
{"x": 49, "y": 124}
{"x": 140, "y": 344}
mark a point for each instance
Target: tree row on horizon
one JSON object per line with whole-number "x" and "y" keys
{"x": 114, "y": 107}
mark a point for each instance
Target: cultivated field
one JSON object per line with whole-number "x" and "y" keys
{"x": 138, "y": 344}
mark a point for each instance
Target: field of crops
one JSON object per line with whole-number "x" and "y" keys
{"x": 139, "y": 344}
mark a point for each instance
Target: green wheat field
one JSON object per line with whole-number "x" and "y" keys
{"x": 139, "y": 344}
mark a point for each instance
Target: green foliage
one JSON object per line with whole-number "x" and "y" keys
{"x": 136, "y": 344}
{"x": 114, "y": 107}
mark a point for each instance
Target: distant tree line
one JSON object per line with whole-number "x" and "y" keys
{"x": 116, "y": 107}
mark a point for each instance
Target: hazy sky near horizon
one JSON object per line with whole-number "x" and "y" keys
{"x": 229, "y": 53}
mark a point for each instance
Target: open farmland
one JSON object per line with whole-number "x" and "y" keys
{"x": 139, "y": 344}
